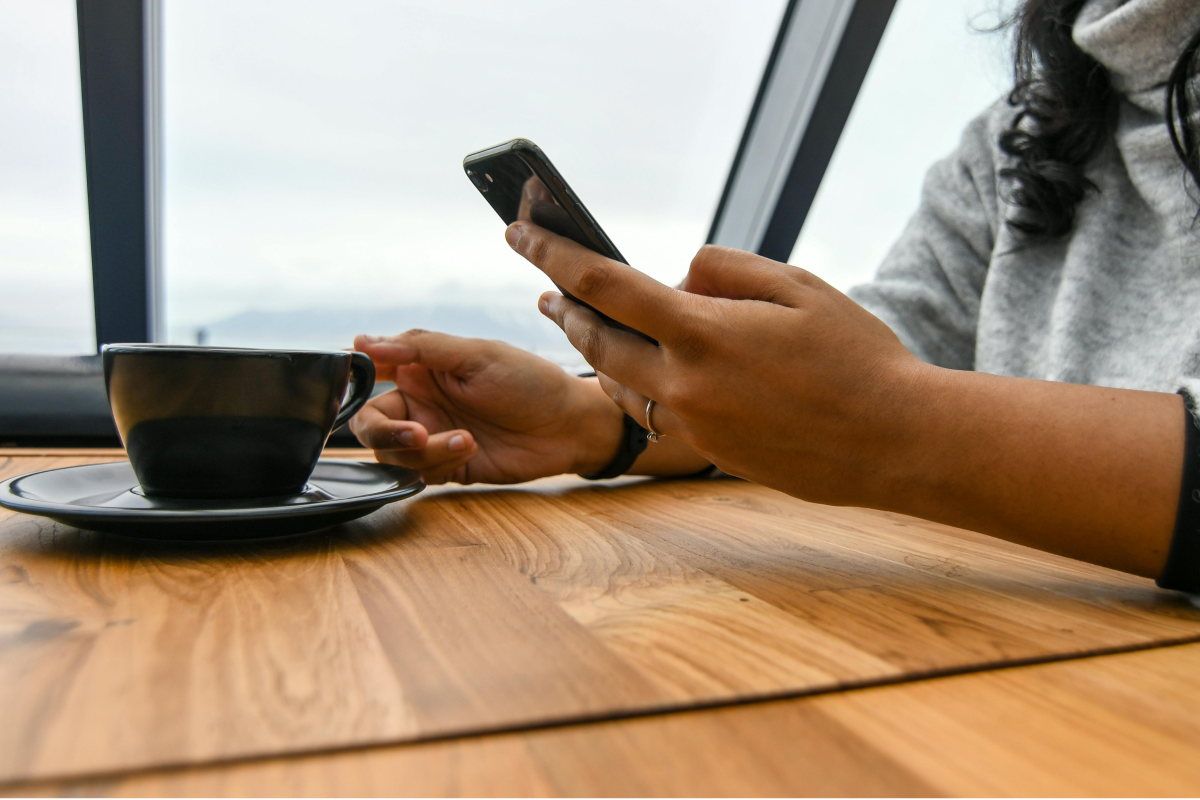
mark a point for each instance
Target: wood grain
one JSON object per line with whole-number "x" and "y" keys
{"x": 1122, "y": 725}
{"x": 485, "y": 609}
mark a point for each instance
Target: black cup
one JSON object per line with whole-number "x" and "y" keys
{"x": 220, "y": 422}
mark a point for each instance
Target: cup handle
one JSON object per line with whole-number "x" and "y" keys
{"x": 362, "y": 378}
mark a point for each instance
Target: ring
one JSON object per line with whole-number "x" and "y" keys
{"x": 653, "y": 434}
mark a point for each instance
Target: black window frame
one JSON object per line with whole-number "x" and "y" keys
{"x": 812, "y": 77}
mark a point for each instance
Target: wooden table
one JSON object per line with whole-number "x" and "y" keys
{"x": 562, "y": 637}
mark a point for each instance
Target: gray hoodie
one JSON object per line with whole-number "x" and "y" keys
{"x": 1117, "y": 302}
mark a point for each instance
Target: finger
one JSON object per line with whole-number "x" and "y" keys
{"x": 379, "y": 431}
{"x": 437, "y": 351}
{"x": 738, "y": 275}
{"x": 434, "y": 475}
{"x": 534, "y": 191}
{"x": 613, "y": 288}
{"x": 629, "y": 358}
{"x": 456, "y": 472}
{"x": 383, "y": 424}
{"x": 391, "y": 405}
{"x": 383, "y": 371}
{"x": 442, "y": 454}
{"x": 664, "y": 420}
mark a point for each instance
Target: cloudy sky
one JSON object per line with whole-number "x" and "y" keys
{"x": 45, "y": 267}
{"x": 313, "y": 149}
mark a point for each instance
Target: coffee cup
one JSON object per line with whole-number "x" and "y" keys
{"x": 223, "y": 422}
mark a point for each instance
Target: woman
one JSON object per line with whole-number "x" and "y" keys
{"x": 1013, "y": 368}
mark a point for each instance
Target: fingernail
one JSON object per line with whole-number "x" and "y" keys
{"x": 544, "y": 305}
{"x": 512, "y": 234}
{"x": 406, "y": 439}
{"x": 372, "y": 339}
{"x": 457, "y": 442}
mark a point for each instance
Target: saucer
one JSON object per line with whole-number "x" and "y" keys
{"x": 107, "y": 498}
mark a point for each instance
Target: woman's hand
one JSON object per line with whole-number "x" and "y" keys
{"x": 763, "y": 368}
{"x": 468, "y": 410}
{"x": 775, "y": 376}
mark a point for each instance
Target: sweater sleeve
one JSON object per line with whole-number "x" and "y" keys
{"x": 929, "y": 285}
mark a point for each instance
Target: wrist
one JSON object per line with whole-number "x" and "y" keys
{"x": 908, "y": 430}
{"x": 600, "y": 424}
{"x": 942, "y": 443}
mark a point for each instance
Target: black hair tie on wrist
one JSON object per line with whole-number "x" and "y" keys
{"x": 633, "y": 443}
{"x": 1182, "y": 571}
{"x": 634, "y": 439}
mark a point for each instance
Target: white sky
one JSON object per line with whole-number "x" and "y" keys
{"x": 45, "y": 263}
{"x": 313, "y": 148}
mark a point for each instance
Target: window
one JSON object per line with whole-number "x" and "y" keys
{"x": 312, "y": 173}
{"x": 45, "y": 267}
{"x": 933, "y": 72}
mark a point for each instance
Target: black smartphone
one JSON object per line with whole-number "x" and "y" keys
{"x": 519, "y": 182}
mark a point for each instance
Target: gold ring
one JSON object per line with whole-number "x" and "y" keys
{"x": 653, "y": 434}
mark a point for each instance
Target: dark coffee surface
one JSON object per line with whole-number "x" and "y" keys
{"x": 224, "y": 457}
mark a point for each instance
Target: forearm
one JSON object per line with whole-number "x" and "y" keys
{"x": 1088, "y": 472}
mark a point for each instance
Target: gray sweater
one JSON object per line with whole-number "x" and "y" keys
{"x": 1117, "y": 303}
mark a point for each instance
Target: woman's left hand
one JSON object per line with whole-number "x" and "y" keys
{"x": 762, "y": 367}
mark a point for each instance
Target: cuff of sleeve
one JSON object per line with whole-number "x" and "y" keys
{"x": 1182, "y": 570}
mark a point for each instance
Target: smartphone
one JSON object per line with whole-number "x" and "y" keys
{"x": 519, "y": 182}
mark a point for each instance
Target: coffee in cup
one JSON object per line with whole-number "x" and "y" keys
{"x": 223, "y": 422}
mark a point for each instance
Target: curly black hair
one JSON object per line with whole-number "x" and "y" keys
{"x": 1066, "y": 111}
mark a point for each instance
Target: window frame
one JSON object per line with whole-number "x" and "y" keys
{"x": 119, "y": 76}
{"x": 812, "y": 77}
{"x": 821, "y": 56}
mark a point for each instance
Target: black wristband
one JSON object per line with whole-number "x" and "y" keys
{"x": 633, "y": 442}
{"x": 1182, "y": 571}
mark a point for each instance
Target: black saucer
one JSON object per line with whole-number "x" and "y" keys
{"x": 107, "y": 498}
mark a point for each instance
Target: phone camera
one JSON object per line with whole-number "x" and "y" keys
{"x": 480, "y": 185}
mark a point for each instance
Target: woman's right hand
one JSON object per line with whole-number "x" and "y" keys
{"x": 473, "y": 410}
